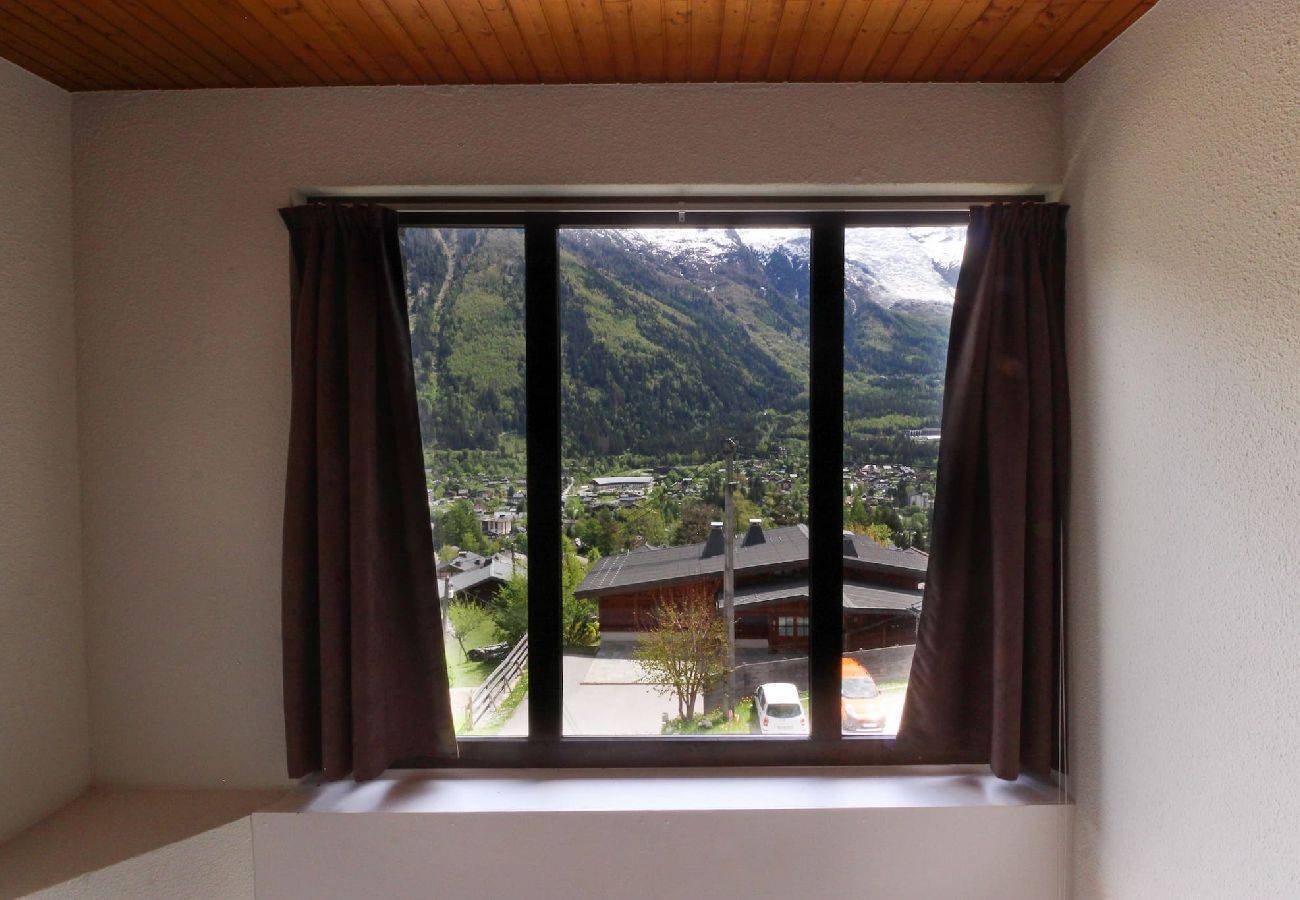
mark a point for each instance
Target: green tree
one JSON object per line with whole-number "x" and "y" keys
{"x": 466, "y": 617}
{"x": 694, "y": 525}
{"x": 685, "y": 653}
{"x": 459, "y": 526}
{"x": 510, "y": 612}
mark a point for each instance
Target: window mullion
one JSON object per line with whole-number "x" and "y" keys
{"x": 542, "y": 347}
{"x": 826, "y": 485}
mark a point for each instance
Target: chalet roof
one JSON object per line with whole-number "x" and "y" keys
{"x": 864, "y": 597}
{"x": 499, "y": 569}
{"x": 782, "y": 547}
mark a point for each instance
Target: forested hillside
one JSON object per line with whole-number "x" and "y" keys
{"x": 673, "y": 338}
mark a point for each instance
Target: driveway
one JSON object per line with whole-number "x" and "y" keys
{"x": 615, "y": 707}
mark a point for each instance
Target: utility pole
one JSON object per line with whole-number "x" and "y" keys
{"x": 729, "y": 576}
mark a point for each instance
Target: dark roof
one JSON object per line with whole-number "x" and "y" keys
{"x": 781, "y": 547}
{"x": 865, "y": 597}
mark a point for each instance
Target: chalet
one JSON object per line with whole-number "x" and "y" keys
{"x": 478, "y": 577}
{"x": 882, "y": 587}
{"x": 497, "y": 524}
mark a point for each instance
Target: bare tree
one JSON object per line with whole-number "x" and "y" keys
{"x": 685, "y": 653}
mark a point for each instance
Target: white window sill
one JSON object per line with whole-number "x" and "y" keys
{"x": 633, "y": 790}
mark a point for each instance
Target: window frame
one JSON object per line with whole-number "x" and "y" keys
{"x": 546, "y": 746}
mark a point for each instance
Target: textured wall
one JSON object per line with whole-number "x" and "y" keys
{"x": 182, "y": 315}
{"x": 43, "y": 720}
{"x": 1182, "y": 144}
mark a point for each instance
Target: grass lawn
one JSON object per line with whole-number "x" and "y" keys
{"x": 461, "y": 672}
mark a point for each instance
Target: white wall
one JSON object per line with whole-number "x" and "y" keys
{"x": 1182, "y": 144}
{"x": 182, "y": 317}
{"x": 44, "y": 746}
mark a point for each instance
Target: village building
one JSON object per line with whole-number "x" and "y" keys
{"x": 881, "y": 602}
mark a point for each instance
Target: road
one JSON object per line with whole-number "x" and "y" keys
{"x": 601, "y": 709}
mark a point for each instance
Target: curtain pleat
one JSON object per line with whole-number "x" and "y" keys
{"x": 365, "y": 677}
{"x": 986, "y": 675}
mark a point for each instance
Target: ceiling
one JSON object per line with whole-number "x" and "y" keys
{"x": 86, "y": 45}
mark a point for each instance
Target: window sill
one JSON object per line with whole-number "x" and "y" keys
{"x": 642, "y": 790}
{"x": 655, "y": 833}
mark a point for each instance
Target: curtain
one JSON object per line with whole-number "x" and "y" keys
{"x": 986, "y": 675}
{"x": 365, "y": 678}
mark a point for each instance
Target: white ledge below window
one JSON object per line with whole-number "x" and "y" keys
{"x": 666, "y": 833}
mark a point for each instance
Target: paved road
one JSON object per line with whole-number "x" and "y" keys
{"x": 623, "y": 709}
{"x": 601, "y": 709}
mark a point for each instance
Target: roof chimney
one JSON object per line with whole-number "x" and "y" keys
{"x": 850, "y": 549}
{"x": 714, "y": 545}
{"x": 755, "y": 533}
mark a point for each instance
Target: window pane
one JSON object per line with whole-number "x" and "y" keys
{"x": 673, "y": 341}
{"x": 899, "y": 285}
{"x": 465, "y": 287}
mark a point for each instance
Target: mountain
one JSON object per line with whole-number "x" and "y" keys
{"x": 672, "y": 337}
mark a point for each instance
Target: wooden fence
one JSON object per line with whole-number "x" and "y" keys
{"x": 487, "y": 697}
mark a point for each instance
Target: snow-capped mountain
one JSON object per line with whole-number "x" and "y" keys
{"x": 889, "y": 266}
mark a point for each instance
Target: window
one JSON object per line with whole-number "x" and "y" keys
{"x": 597, "y": 390}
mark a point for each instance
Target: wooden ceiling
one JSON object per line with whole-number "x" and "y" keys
{"x": 85, "y": 45}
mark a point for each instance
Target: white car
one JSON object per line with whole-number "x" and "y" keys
{"x": 779, "y": 710}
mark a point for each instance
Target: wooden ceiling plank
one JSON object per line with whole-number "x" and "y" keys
{"x": 842, "y": 39}
{"x": 441, "y": 20}
{"x": 314, "y": 24}
{"x": 818, "y": 31}
{"x": 648, "y": 35}
{"x": 351, "y": 26}
{"x": 976, "y": 39}
{"x": 731, "y": 44}
{"x": 899, "y": 36}
{"x": 402, "y": 41}
{"x": 618, "y": 24}
{"x": 760, "y": 37}
{"x": 61, "y": 51}
{"x": 967, "y": 15}
{"x": 1061, "y": 35}
{"x": 535, "y": 32}
{"x": 588, "y": 21}
{"x": 929, "y": 31}
{"x": 217, "y": 61}
{"x": 789, "y": 34}
{"x": 506, "y": 31}
{"x": 706, "y": 38}
{"x": 559, "y": 24}
{"x": 163, "y": 42}
{"x": 1011, "y": 32}
{"x": 111, "y": 46}
{"x": 473, "y": 24}
{"x": 677, "y": 39}
{"x": 209, "y": 19}
{"x": 186, "y": 22}
{"x": 1049, "y": 20}
{"x": 127, "y": 34}
{"x": 871, "y": 35}
{"x": 415, "y": 21}
{"x": 1081, "y": 59}
{"x": 54, "y": 69}
{"x": 254, "y": 21}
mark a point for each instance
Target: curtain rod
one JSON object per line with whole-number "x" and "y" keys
{"x": 717, "y": 203}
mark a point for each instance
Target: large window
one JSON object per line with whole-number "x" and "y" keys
{"x": 680, "y": 468}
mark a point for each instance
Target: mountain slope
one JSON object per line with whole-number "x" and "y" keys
{"x": 672, "y": 337}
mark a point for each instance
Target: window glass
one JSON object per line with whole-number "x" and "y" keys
{"x": 465, "y": 290}
{"x": 899, "y": 286}
{"x": 685, "y": 368}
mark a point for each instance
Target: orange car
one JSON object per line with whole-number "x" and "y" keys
{"x": 861, "y": 710}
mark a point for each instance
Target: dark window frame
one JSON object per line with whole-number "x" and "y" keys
{"x": 546, "y": 746}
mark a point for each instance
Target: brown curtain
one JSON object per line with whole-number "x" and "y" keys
{"x": 365, "y": 679}
{"x": 985, "y": 680}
